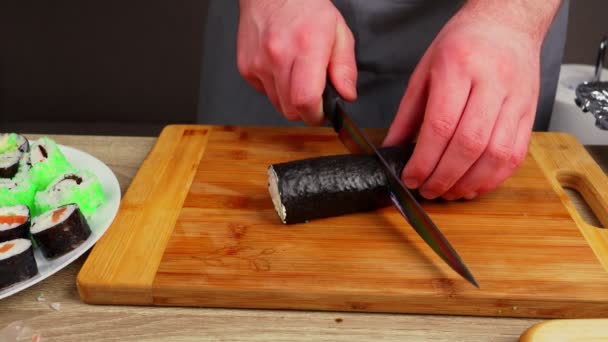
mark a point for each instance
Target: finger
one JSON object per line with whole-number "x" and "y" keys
{"x": 256, "y": 84}
{"x": 411, "y": 108}
{"x": 487, "y": 172}
{"x": 469, "y": 141}
{"x": 277, "y": 62}
{"x": 271, "y": 91}
{"x": 342, "y": 64}
{"x": 283, "y": 79}
{"x": 520, "y": 149}
{"x": 448, "y": 93}
{"x": 308, "y": 79}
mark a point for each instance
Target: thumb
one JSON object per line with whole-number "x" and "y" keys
{"x": 342, "y": 64}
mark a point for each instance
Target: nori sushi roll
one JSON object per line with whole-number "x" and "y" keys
{"x": 79, "y": 187}
{"x": 17, "y": 191}
{"x": 9, "y": 163}
{"x": 17, "y": 262}
{"x": 48, "y": 162}
{"x": 59, "y": 231}
{"x": 329, "y": 186}
{"x": 14, "y": 223}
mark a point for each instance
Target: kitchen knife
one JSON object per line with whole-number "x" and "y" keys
{"x": 357, "y": 142}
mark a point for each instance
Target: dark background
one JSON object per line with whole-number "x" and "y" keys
{"x": 131, "y": 67}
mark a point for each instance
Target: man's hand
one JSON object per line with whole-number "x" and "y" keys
{"x": 287, "y": 47}
{"x": 474, "y": 93}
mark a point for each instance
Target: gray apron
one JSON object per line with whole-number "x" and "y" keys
{"x": 391, "y": 36}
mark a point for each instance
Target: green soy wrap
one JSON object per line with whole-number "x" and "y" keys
{"x": 79, "y": 187}
{"x": 14, "y": 193}
{"x": 8, "y": 142}
{"x": 48, "y": 163}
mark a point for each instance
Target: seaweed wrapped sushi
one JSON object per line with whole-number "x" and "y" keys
{"x": 14, "y": 222}
{"x": 60, "y": 230}
{"x": 17, "y": 262}
{"x": 327, "y": 186}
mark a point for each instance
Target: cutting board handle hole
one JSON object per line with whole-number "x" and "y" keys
{"x": 580, "y": 191}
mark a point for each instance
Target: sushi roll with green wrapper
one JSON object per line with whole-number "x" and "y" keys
{"x": 23, "y": 171}
{"x": 60, "y": 230}
{"x": 14, "y": 223}
{"x": 48, "y": 162}
{"x": 13, "y": 149}
{"x": 12, "y": 141}
{"x": 17, "y": 262}
{"x": 17, "y": 191}
{"x": 80, "y": 187}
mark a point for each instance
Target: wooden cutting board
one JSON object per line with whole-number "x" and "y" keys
{"x": 197, "y": 228}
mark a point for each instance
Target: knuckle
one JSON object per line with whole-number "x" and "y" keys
{"x": 499, "y": 152}
{"x": 303, "y": 38}
{"x": 275, "y": 48}
{"x": 517, "y": 158}
{"x": 471, "y": 143}
{"x": 456, "y": 52}
{"x": 442, "y": 126}
{"x": 304, "y": 102}
{"x": 256, "y": 66}
{"x": 440, "y": 184}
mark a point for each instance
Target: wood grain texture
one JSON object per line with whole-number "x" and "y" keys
{"x": 569, "y": 166}
{"x": 568, "y": 330}
{"x": 228, "y": 248}
{"x": 77, "y": 321}
{"x": 144, "y": 223}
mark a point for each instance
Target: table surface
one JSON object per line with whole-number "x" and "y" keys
{"x": 53, "y": 309}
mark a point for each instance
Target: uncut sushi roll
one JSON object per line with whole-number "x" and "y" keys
{"x": 327, "y": 186}
{"x": 15, "y": 192}
{"x": 17, "y": 262}
{"x": 48, "y": 162}
{"x": 59, "y": 231}
{"x": 80, "y": 187}
{"x": 14, "y": 223}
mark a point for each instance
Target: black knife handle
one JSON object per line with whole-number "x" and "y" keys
{"x": 330, "y": 100}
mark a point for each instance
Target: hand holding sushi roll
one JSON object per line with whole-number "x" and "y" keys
{"x": 474, "y": 93}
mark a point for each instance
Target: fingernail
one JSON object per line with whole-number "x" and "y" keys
{"x": 410, "y": 183}
{"x": 471, "y": 195}
{"x": 428, "y": 194}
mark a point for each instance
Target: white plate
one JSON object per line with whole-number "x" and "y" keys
{"x": 99, "y": 223}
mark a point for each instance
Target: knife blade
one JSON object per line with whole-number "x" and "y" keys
{"x": 357, "y": 143}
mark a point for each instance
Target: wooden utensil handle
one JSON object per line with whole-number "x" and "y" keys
{"x": 567, "y": 330}
{"x": 566, "y": 163}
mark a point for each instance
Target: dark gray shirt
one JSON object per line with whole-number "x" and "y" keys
{"x": 391, "y": 36}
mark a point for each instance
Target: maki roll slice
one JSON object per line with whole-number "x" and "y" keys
{"x": 13, "y": 149}
{"x": 14, "y": 223}
{"x": 329, "y": 186}
{"x": 17, "y": 262}
{"x": 17, "y": 191}
{"x": 13, "y": 141}
{"x": 48, "y": 162}
{"x": 59, "y": 231}
{"x": 9, "y": 163}
{"x": 79, "y": 187}
{"x": 24, "y": 168}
